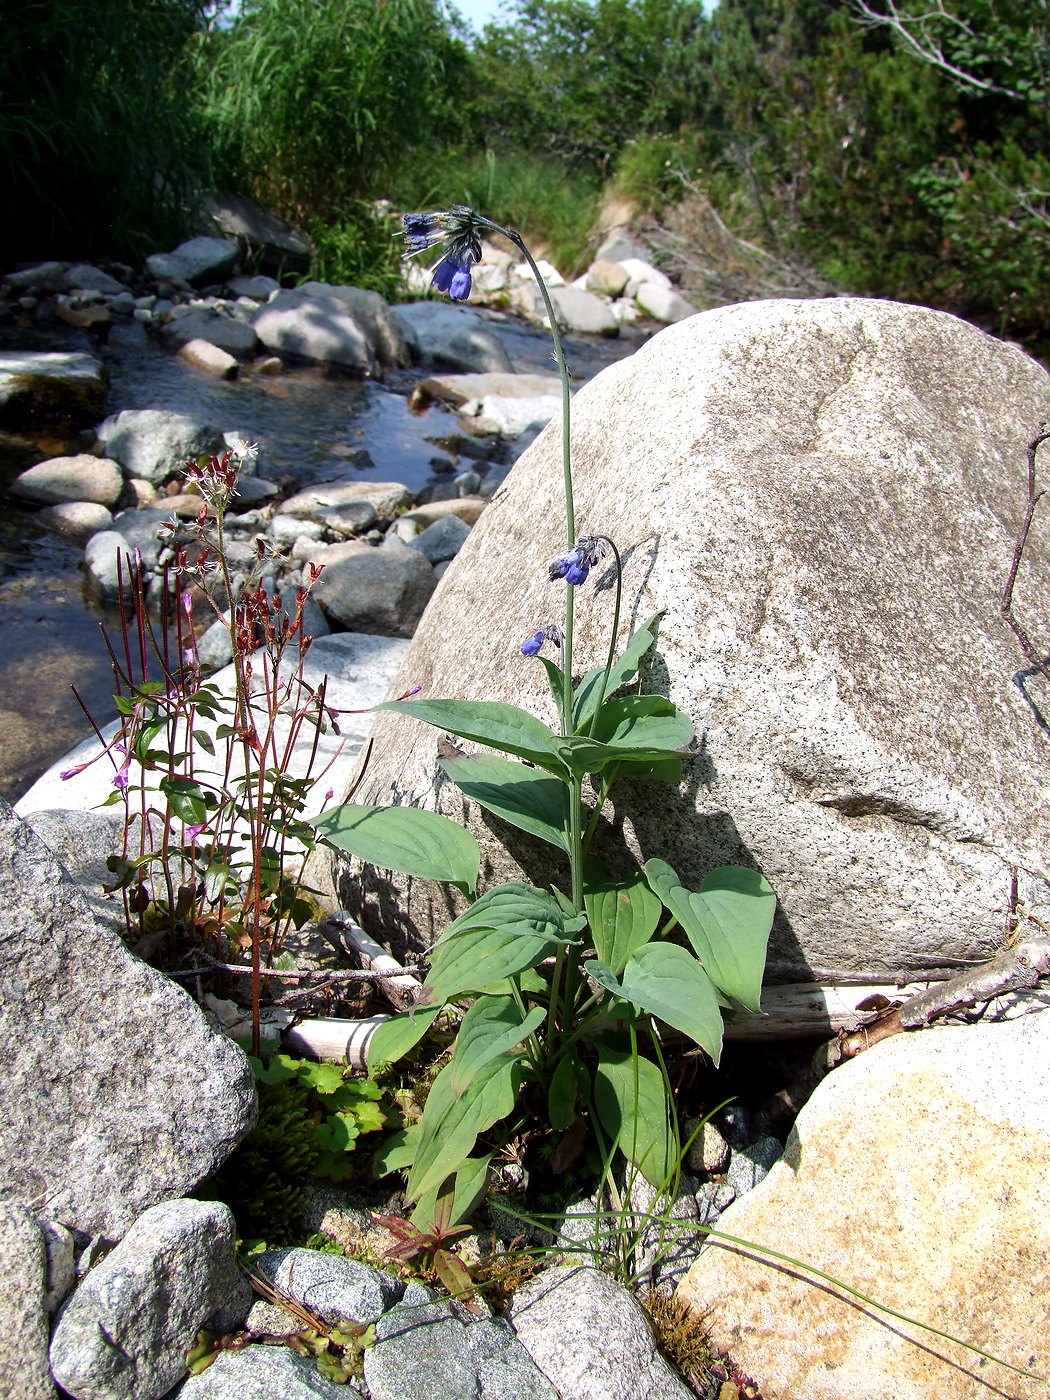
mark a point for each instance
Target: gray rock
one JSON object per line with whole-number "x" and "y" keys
{"x": 712, "y": 1199}
{"x": 608, "y": 278}
{"x": 258, "y": 288}
{"x": 46, "y": 385}
{"x": 752, "y": 1164}
{"x": 263, "y": 1373}
{"x": 105, "y": 564}
{"x": 642, "y": 272}
{"x": 709, "y": 1151}
{"x": 354, "y": 518}
{"x": 103, "y": 1055}
{"x": 125, "y": 1332}
{"x": 24, "y": 1371}
{"x": 155, "y": 444}
{"x": 467, "y": 483}
{"x": 86, "y": 277}
{"x": 437, "y": 333}
{"x": 142, "y": 528}
{"x": 214, "y": 327}
{"x": 505, "y": 1370}
{"x": 379, "y": 590}
{"x": 215, "y": 645}
{"x": 663, "y": 304}
{"x": 665, "y": 1231}
{"x": 61, "y": 1271}
{"x": 617, "y": 245}
{"x": 83, "y": 842}
{"x": 817, "y": 504}
{"x": 41, "y": 277}
{"x": 284, "y": 529}
{"x": 586, "y": 1234}
{"x": 458, "y": 389}
{"x": 442, "y": 540}
{"x": 77, "y": 520}
{"x": 420, "y": 1353}
{"x": 583, "y": 313}
{"x": 60, "y": 480}
{"x": 590, "y": 1338}
{"x": 337, "y": 1288}
{"x": 511, "y": 417}
{"x": 332, "y": 327}
{"x": 123, "y": 304}
{"x": 385, "y": 497}
{"x": 198, "y": 260}
{"x": 278, "y": 246}
{"x": 494, "y": 479}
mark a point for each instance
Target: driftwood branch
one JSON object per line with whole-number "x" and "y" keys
{"x": 1012, "y": 970}
{"x": 1006, "y": 606}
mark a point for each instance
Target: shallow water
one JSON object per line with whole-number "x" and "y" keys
{"x": 304, "y": 420}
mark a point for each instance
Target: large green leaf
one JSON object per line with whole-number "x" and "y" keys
{"x": 470, "y": 1183}
{"x": 569, "y": 1082}
{"x": 476, "y": 958}
{"x": 186, "y": 799}
{"x": 727, "y": 921}
{"x": 406, "y": 839}
{"x": 630, "y": 1100}
{"x": 623, "y": 670}
{"x": 503, "y": 727}
{"x": 623, "y": 914}
{"x": 582, "y": 756}
{"x": 642, "y": 722}
{"x": 520, "y": 909}
{"x": 451, "y": 1123}
{"x": 534, "y": 801}
{"x": 491, "y": 1027}
{"x": 668, "y": 982}
{"x": 396, "y": 1037}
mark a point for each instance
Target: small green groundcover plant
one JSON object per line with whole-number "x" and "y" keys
{"x": 565, "y": 985}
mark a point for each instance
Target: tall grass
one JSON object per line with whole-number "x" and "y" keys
{"x": 556, "y": 207}
{"x": 314, "y": 102}
{"x": 100, "y": 150}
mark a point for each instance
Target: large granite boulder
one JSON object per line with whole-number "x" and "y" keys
{"x": 125, "y": 1096}
{"x": 918, "y": 1174}
{"x": 155, "y": 443}
{"x": 821, "y": 498}
{"x": 343, "y": 326}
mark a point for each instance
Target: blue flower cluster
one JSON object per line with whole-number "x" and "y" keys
{"x": 574, "y": 566}
{"x": 532, "y": 646}
{"x": 458, "y": 233}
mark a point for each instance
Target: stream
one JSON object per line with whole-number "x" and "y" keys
{"x": 304, "y": 419}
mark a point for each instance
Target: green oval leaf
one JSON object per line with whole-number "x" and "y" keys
{"x": 503, "y": 727}
{"x": 668, "y": 982}
{"x": 396, "y": 1037}
{"x": 533, "y": 801}
{"x": 622, "y": 671}
{"x": 491, "y": 1027}
{"x": 623, "y": 914}
{"x": 407, "y": 839}
{"x": 186, "y": 799}
{"x": 727, "y": 921}
{"x": 480, "y": 956}
{"x": 631, "y": 1102}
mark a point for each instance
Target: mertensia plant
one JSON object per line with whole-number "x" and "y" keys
{"x": 566, "y": 989}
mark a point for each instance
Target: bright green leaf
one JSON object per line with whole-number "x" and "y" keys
{"x": 533, "y": 801}
{"x": 396, "y": 1037}
{"x": 186, "y": 800}
{"x": 503, "y": 727}
{"x": 337, "y": 1133}
{"x": 450, "y": 1125}
{"x": 642, "y": 722}
{"x": 630, "y": 1099}
{"x": 623, "y": 914}
{"x": 407, "y": 839}
{"x": 493, "y": 1026}
{"x": 477, "y": 958}
{"x": 623, "y": 670}
{"x": 668, "y": 982}
{"x": 727, "y": 922}
{"x": 470, "y": 1182}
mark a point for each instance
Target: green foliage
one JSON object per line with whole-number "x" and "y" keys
{"x": 100, "y": 150}
{"x": 310, "y": 1118}
{"x": 314, "y": 102}
{"x": 357, "y": 251}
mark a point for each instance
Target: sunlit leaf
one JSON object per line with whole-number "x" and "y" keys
{"x": 493, "y": 1026}
{"x": 450, "y": 1124}
{"x": 533, "y": 801}
{"x": 407, "y": 839}
{"x": 503, "y": 727}
{"x": 630, "y": 1099}
{"x": 623, "y": 914}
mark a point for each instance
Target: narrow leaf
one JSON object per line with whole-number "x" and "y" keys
{"x": 503, "y": 727}
{"x": 727, "y": 922}
{"x": 469, "y": 1185}
{"x": 491, "y": 1027}
{"x": 623, "y": 670}
{"x": 533, "y": 801}
{"x": 568, "y": 1083}
{"x": 406, "y": 839}
{"x": 450, "y": 1125}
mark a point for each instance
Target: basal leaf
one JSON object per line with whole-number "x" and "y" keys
{"x": 407, "y": 839}
{"x": 396, "y": 1037}
{"x": 727, "y": 921}
{"x": 568, "y": 1085}
{"x": 396, "y": 1152}
{"x": 631, "y": 1102}
{"x": 668, "y": 982}
{"x": 491, "y": 1027}
{"x": 518, "y": 908}
{"x": 623, "y": 914}
{"x": 450, "y": 1124}
{"x": 531, "y": 800}
{"x": 471, "y": 1180}
{"x": 503, "y": 727}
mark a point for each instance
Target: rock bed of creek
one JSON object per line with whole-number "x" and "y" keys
{"x": 305, "y": 417}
